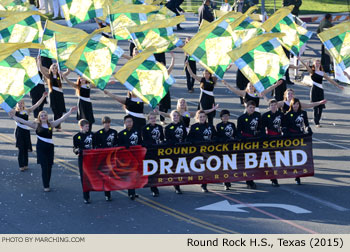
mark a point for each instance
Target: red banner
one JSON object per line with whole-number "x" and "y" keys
{"x": 136, "y": 167}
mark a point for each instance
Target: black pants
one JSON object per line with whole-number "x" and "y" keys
{"x": 46, "y": 174}
{"x": 190, "y": 80}
{"x": 22, "y": 157}
{"x": 325, "y": 60}
{"x": 154, "y": 189}
{"x": 38, "y": 109}
{"x": 162, "y": 118}
{"x": 317, "y": 114}
{"x": 57, "y": 115}
{"x": 131, "y": 192}
{"x": 86, "y": 195}
{"x": 211, "y": 118}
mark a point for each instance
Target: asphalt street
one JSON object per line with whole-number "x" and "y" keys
{"x": 320, "y": 205}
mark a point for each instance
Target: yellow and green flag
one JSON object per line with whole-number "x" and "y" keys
{"x": 95, "y": 58}
{"x": 145, "y": 77}
{"x": 77, "y": 11}
{"x": 159, "y": 34}
{"x": 15, "y": 5}
{"x": 60, "y": 41}
{"x": 262, "y": 60}
{"x": 295, "y": 35}
{"x": 24, "y": 27}
{"x": 211, "y": 44}
{"x": 123, "y": 16}
{"x": 337, "y": 42}
{"x": 18, "y": 73}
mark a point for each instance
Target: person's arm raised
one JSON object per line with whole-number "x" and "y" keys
{"x": 307, "y": 67}
{"x": 119, "y": 99}
{"x": 172, "y": 63}
{"x": 64, "y": 117}
{"x": 194, "y": 76}
{"x": 332, "y": 81}
{"x": 270, "y": 88}
{"x": 32, "y": 108}
{"x": 69, "y": 82}
{"x": 237, "y": 91}
{"x": 42, "y": 69}
{"x": 31, "y": 124}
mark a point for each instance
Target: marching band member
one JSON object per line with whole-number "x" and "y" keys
{"x": 202, "y": 131}
{"x": 249, "y": 126}
{"x": 22, "y": 133}
{"x": 130, "y": 136}
{"x": 296, "y": 122}
{"x": 175, "y": 133}
{"x": 152, "y": 135}
{"x": 82, "y": 141}
{"x": 271, "y": 123}
{"x": 44, "y": 147}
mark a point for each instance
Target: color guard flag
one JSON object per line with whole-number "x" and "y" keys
{"x": 159, "y": 34}
{"x": 77, "y": 11}
{"x": 262, "y": 60}
{"x": 295, "y": 36}
{"x": 145, "y": 77}
{"x": 337, "y": 42}
{"x": 60, "y": 41}
{"x": 23, "y": 27}
{"x": 211, "y": 44}
{"x": 95, "y": 58}
{"x": 18, "y": 73}
{"x": 15, "y": 5}
{"x": 122, "y": 16}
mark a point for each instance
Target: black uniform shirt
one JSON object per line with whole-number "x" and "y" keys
{"x": 82, "y": 141}
{"x": 175, "y": 133}
{"x": 200, "y": 132}
{"x": 105, "y": 139}
{"x": 249, "y": 125}
{"x": 152, "y": 134}
{"x": 272, "y": 122}
{"x": 226, "y": 131}
{"x": 129, "y": 137}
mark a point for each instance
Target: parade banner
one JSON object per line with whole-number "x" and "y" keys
{"x": 216, "y": 162}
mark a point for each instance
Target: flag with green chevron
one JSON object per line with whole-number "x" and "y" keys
{"x": 77, "y": 11}
{"x": 122, "y": 16}
{"x": 18, "y": 73}
{"x": 24, "y": 27}
{"x": 95, "y": 58}
{"x": 262, "y": 60}
{"x": 211, "y": 44}
{"x": 145, "y": 77}
{"x": 159, "y": 34}
{"x": 15, "y": 5}
{"x": 162, "y": 13}
{"x": 60, "y": 41}
{"x": 245, "y": 28}
{"x": 337, "y": 42}
{"x": 295, "y": 35}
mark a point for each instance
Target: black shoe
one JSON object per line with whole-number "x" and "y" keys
{"x": 297, "y": 180}
{"x": 251, "y": 185}
{"x": 179, "y": 28}
{"x": 178, "y": 191}
{"x": 290, "y": 83}
{"x": 227, "y": 188}
{"x": 87, "y": 201}
{"x": 155, "y": 194}
{"x": 275, "y": 183}
{"x": 205, "y": 190}
{"x": 108, "y": 198}
{"x": 132, "y": 197}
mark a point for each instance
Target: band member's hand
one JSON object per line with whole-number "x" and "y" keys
{"x": 45, "y": 94}
{"x": 11, "y": 113}
{"x": 323, "y": 102}
{"x": 73, "y": 109}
